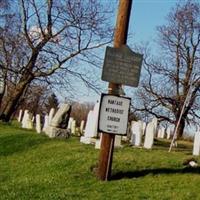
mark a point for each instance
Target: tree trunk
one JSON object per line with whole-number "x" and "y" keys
{"x": 13, "y": 102}
{"x": 181, "y": 128}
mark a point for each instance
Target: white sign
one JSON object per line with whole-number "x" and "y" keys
{"x": 113, "y": 114}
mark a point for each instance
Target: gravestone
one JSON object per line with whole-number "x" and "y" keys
{"x": 144, "y": 128}
{"x": 38, "y": 124}
{"x": 82, "y": 127}
{"x": 196, "y": 145}
{"x": 24, "y": 119}
{"x": 51, "y": 114}
{"x": 136, "y": 129}
{"x": 149, "y": 136}
{"x": 168, "y": 132}
{"x": 155, "y": 123}
{"x": 32, "y": 118}
{"x": 59, "y": 123}
{"x": 46, "y": 123}
{"x": 159, "y": 133}
{"x": 69, "y": 126}
{"x": 162, "y": 133}
{"x": 29, "y": 121}
{"x": 118, "y": 139}
{"x": 20, "y": 115}
{"x": 91, "y": 126}
{"x": 73, "y": 127}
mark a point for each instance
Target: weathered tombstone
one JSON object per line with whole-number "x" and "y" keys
{"x": 91, "y": 126}
{"x": 136, "y": 129}
{"x": 196, "y": 146}
{"x": 51, "y": 114}
{"x": 168, "y": 132}
{"x": 58, "y": 126}
{"x": 118, "y": 139}
{"x": 29, "y": 122}
{"x": 155, "y": 122}
{"x": 73, "y": 127}
{"x": 82, "y": 127}
{"x": 143, "y": 128}
{"x": 24, "y": 119}
{"x": 20, "y": 115}
{"x": 162, "y": 133}
{"x": 69, "y": 126}
{"x": 87, "y": 136}
{"x": 149, "y": 136}
{"x": 95, "y": 120}
{"x": 38, "y": 124}
{"x": 46, "y": 123}
{"x": 159, "y": 133}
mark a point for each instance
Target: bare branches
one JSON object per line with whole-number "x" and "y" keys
{"x": 169, "y": 77}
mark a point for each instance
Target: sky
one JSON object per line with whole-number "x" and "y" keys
{"x": 146, "y": 15}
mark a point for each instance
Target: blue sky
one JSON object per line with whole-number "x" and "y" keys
{"x": 146, "y": 15}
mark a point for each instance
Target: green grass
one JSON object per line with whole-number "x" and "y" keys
{"x": 33, "y": 166}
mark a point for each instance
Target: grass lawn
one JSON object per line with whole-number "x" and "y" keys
{"x": 33, "y": 166}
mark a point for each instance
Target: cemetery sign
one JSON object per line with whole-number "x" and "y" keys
{"x": 122, "y": 66}
{"x": 113, "y": 114}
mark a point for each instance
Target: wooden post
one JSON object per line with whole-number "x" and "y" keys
{"x": 107, "y": 142}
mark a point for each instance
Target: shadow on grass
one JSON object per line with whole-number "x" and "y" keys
{"x": 11, "y": 144}
{"x": 158, "y": 171}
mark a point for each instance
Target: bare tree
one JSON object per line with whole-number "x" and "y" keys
{"x": 80, "y": 111}
{"x": 176, "y": 70}
{"x": 55, "y": 34}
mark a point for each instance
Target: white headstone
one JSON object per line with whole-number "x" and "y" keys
{"x": 20, "y": 116}
{"x": 168, "y": 132}
{"x": 144, "y": 128}
{"x": 155, "y": 122}
{"x": 91, "y": 125}
{"x": 38, "y": 123}
{"x": 118, "y": 139}
{"x": 149, "y": 136}
{"x": 162, "y": 133}
{"x": 24, "y": 119}
{"x": 69, "y": 126}
{"x": 73, "y": 127}
{"x": 82, "y": 126}
{"x": 29, "y": 122}
{"x": 46, "y": 123}
{"x": 136, "y": 129}
{"x": 95, "y": 119}
{"x": 51, "y": 114}
{"x": 159, "y": 133}
{"x": 196, "y": 145}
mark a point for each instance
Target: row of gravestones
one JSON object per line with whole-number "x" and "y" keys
{"x": 135, "y": 133}
{"x": 58, "y": 124}
{"x": 61, "y": 125}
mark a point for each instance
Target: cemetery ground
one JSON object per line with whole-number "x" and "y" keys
{"x": 33, "y": 166}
